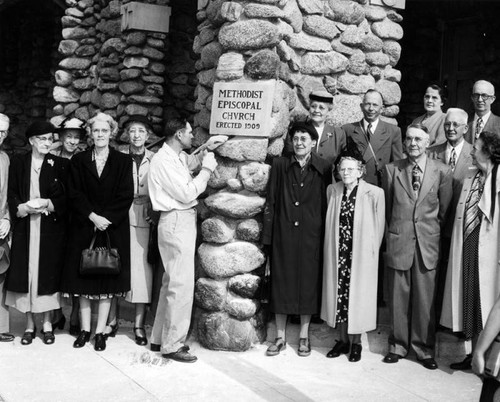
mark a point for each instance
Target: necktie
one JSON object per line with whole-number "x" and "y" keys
{"x": 472, "y": 212}
{"x": 479, "y": 127}
{"x": 415, "y": 178}
{"x": 453, "y": 159}
{"x": 369, "y": 131}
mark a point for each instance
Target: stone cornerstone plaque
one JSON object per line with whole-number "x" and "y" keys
{"x": 242, "y": 108}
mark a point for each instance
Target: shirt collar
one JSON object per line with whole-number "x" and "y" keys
{"x": 484, "y": 118}
{"x": 458, "y": 148}
{"x": 374, "y": 125}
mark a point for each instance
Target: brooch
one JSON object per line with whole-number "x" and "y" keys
{"x": 50, "y": 162}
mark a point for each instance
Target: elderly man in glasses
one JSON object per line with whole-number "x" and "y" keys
{"x": 483, "y": 95}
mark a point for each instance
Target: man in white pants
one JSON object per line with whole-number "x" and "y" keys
{"x": 174, "y": 191}
{"x": 4, "y": 230}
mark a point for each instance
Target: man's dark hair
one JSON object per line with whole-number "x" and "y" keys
{"x": 172, "y": 126}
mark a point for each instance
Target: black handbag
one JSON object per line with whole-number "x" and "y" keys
{"x": 100, "y": 260}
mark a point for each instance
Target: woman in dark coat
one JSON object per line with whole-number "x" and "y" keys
{"x": 37, "y": 202}
{"x": 101, "y": 191}
{"x": 294, "y": 226}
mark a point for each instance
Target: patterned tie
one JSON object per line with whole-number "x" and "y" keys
{"x": 472, "y": 211}
{"x": 453, "y": 159}
{"x": 479, "y": 127}
{"x": 415, "y": 178}
{"x": 369, "y": 131}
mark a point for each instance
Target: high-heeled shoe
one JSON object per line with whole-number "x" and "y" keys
{"x": 28, "y": 337}
{"x": 48, "y": 337}
{"x": 141, "y": 339}
{"x": 114, "y": 330}
{"x": 82, "y": 339}
{"x": 59, "y": 324}
{"x": 100, "y": 342}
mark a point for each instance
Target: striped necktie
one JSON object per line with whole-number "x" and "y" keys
{"x": 479, "y": 127}
{"x": 472, "y": 212}
{"x": 369, "y": 131}
{"x": 453, "y": 159}
{"x": 416, "y": 180}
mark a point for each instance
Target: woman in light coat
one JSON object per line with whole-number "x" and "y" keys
{"x": 138, "y": 129}
{"x": 353, "y": 235}
{"x": 473, "y": 277}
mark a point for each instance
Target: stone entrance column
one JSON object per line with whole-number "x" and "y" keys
{"x": 344, "y": 47}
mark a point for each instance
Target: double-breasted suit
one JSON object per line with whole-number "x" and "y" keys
{"x": 414, "y": 223}
{"x": 492, "y": 125}
{"x": 386, "y": 143}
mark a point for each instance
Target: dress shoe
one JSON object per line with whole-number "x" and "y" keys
{"x": 140, "y": 336}
{"x": 338, "y": 349}
{"x": 74, "y": 329}
{"x": 182, "y": 355}
{"x": 112, "y": 333}
{"x": 99, "y": 342}
{"x": 391, "y": 358}
{"x": 48, "y": 337}
{"x": 59, "y": 324}
{"x": 465, "y": 364}
{"x": 82, "y": 339}
{"x": 275, "y": 348}
{"x": 355, "y": 355}
{"x": 155, "y": 347}
{"x": 28, "y": 337}
{"x": 304, "y": 347}
{"x": 5, "y": 337}
{"x": 429, "y": 363}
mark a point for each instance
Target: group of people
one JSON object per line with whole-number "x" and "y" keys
{"x": 425, "y": 206}
{"x": 57, "y": 202}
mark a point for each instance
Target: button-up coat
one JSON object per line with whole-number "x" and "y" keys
{"x": 294, "y": 226}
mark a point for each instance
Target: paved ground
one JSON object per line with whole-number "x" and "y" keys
{"x": 127, "y": 372}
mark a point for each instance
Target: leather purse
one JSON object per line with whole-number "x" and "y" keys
{"x": 492, "y": 359}
{"x": 100, "y": 260}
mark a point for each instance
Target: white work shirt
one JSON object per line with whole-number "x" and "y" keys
{"x": 171, "y": 185}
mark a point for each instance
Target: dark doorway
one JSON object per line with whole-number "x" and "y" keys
{"x": 450, "y": 42}
{"x": 30, "y": 32}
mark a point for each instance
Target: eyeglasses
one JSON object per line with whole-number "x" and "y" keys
{"x": 347, "y": 170}
{"x": 44, "y": 139}
{"x": 3, "y": 133}
{"x": 484, "y": 96}
{"x": 453, "y": 124}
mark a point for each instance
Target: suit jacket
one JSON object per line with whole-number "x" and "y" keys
{"x": 331, "y": 144}
{"x": 493, "y": 125}
{"x": 462, "y": 167}
{"x": 386, "y": 143}
{"x": 415, "y": 221}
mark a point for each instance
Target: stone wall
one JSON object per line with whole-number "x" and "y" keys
{"x": 341, "y": 46}
{"x": 103, "y": 69}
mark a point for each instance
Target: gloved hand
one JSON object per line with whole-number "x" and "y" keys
{"x": 209, "y": 161}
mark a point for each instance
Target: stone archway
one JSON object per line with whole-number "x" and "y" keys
{"x": 29, "y": 35}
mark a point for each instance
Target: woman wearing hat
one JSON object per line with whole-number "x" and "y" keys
{"x": 353, "y": 234}
{"x": 101, "y": 191}
{"x": 331, "y": 140}
{"x": 138, "y": 129}
{"x": 293, "y": 228}
{"x": 71, "y": 131}
{"x": 37, "y": 202}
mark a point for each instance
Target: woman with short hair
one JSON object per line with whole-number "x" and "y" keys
{"x": 433, "y": 118}
{"x": 101, "y": 191}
